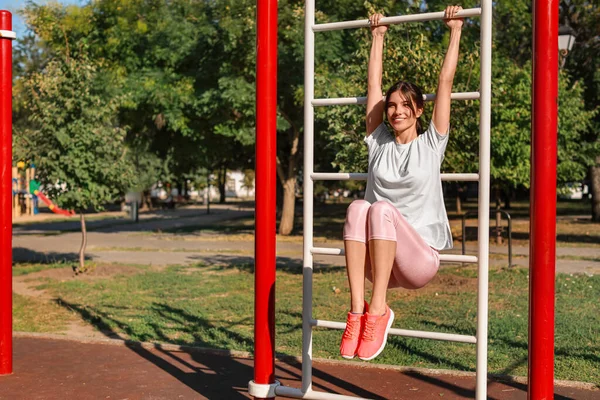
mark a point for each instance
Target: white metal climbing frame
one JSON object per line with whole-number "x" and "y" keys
{"x": 483, "y": 177}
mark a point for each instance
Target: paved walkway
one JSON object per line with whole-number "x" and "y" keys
{"x": 121, "y": 241}
{"x": 53, "y": 369}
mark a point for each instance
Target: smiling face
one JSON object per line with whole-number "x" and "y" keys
{"x": 402, "y": 114}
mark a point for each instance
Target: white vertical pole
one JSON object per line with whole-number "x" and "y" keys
{"x": 307, "y": 291}
{"x": 484, "y": 197}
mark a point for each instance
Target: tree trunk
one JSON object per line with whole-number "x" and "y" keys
{"x": 208, "y": 193}
{"x": 458, "y": 204}
{"x": 80, "y": 269}
{"x": 507, "y": 198}
{"x": 146, "y": 201}
{"x": 222, "y": 184}
{"x": 288, "y": 181}
{"x": 286, "y": 224}
{"x": 595, "y": 190}
{"x": 179, "y": 191}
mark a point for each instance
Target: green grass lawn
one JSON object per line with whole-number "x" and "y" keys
{"x": 212, "y": 306}
{"x": 36, "y": 315}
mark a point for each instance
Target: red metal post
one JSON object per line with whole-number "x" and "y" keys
{"x": 542, "y": 247}
{"x": 5, "y": 195}
{"x": 265, "y": 212}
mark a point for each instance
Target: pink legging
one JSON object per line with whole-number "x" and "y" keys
{"x": 415, "y": 263}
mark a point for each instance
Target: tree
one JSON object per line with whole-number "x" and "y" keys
{"x": 514, "y": 41}
{"x": 583, "y": 63}
{"x": 164, "y": 58}
{"x": 149, "y": 169}
{"x": 238, "y": 73}
{"x": 187, "y": 70}
{"x": 73, "y": 140}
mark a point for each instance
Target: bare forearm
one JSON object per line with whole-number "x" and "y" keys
{"x": 441, "y": 109}
{"x": 375, "y": 63}
{"x": 451, "y": 58}
{"x": 375, "y": 69}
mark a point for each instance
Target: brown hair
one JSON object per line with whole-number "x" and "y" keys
{"x": 412, "y": 92}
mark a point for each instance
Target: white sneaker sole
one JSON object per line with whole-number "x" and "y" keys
{"x": 387, "y": 329}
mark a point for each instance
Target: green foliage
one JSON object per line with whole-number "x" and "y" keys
{"x": 73, "y": 140}
{"x": 415, "y": 53}
{"x": 576, "y": 151}
{"x": 511, "y": 128}
{"x": 149, "y": 167}
{"x": 185, "y": 72}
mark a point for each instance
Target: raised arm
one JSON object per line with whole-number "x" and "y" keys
{"x": 374, "y": 93}
{"x": 441, "y": 108}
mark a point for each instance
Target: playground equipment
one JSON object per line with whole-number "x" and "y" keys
{"x": 543, "y": 229}
{"x": 543, "y": 171}
{"x": 26, "y": 192}
{"x": 24, "y": 202}
{"x": 483, "y": 177}
{"x": 34, "y": 188}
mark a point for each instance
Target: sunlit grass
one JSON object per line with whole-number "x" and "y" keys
{"x": 212, "y": 306}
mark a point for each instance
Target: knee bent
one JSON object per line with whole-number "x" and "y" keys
{"x": 357, "y": 207}
{"x": 382, "y": 208}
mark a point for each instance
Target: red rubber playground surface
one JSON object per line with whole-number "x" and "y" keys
{"x": 50, "y": 368}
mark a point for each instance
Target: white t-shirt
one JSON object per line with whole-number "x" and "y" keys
{"x": 408, "y": 176}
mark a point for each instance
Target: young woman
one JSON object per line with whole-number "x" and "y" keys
{"x": 393, "y": 236}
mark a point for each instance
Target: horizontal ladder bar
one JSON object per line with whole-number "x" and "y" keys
{"x": 341, "y": 101}
{"x": 360, "y": 176}
{"x": 401, "y": 19}
{"x": 334, "y": 251}
{"x": 287, "y": 391}
{"x": 8, "y": 34}
{"x": 451, "y": 337}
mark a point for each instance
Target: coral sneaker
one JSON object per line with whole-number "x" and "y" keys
{"x": 352, "y": 333}
{"x": 374, "y": 335}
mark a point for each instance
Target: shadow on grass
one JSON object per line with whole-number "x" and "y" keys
{"x": 23, "y": 255}
{"x": 222, "y": 262}
{"x": 290, "y": 327}
{"x": 405, "y": 346}
{"x": 437, "y": 327}
{"x": 492, "y": 379}
{"x": 211, "y": 376}
{"x": 559, "y": 351}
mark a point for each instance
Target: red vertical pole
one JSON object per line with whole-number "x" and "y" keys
{"x": 265, "y": 212}
{"x": 5, "y": 195}
{"x": 542, "y": 247}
